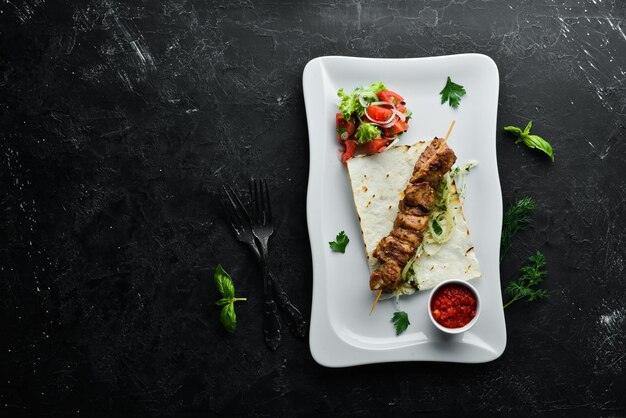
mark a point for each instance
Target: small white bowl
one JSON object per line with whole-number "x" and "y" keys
{"x": 471, "y": 323}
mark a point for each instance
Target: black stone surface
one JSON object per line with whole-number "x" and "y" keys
{"x": 119, "y": 120}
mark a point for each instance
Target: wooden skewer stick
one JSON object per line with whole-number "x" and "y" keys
{"x": 449, "y": 130}
{"x": 380, "y": 292}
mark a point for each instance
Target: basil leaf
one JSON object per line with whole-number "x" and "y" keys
{"x": 531, "y": 141}
{"x": 223, "y": 301}
{"x": 228, "y": 318}
{"x": 535, "y": 141}
{"x": 528, "y": 126}
{"x": 514, "y": 130}
{"x": 224, "y": 283}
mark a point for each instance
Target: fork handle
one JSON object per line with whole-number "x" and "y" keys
{"x": 292, "y": 316}
{"x": 271, "y": 324}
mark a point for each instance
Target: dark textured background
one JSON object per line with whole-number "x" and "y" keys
{"x": 119, "y": 119}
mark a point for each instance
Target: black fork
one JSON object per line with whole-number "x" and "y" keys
{"x": 262, "y": 228}
{"x": 240, "y": 223}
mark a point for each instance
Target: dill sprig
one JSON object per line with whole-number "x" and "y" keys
{"x": 515, "y": 218}
{"x": 532, "y": 275}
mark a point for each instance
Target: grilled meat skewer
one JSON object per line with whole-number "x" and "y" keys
{"x": 396, "y": 249}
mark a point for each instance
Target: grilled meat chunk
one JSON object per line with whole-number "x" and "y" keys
{"x": 387, "y": 277}
{"x": 420, "y": 194}
{"x": 412, "y": 210}
{"x": 416, "y": 223}
{"x": 412, "y": 237}
{"x": 435, "y": 167}
{"x": 376, "y": 280}
{"x": 394, "y": 249}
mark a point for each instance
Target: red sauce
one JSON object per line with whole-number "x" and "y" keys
{"x": 453, "y": 305}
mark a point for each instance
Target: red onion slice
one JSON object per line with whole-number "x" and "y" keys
{"x": 390, "y": 124}
{"x": 400, "y": 115}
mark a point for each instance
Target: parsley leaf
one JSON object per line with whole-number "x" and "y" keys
{"x": 340, "y": 242}
{"x": 225, "y": 286}
{"x": 350, "y": 103}
{"x": 452, "y": 93}
{"x": 515, "y": 218}
{"x": 531, "y": 141}
{"x": 532, "y": 275}
{"x": 400, "y": 321}
{"x": 367, "y": 132}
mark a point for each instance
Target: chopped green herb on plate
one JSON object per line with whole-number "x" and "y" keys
{"x": 400, "y": 321}
{"x": 340, "y": 243}
{"x": 452, "y": 93}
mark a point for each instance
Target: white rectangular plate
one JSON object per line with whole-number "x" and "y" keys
{"x": 342, "y": 332}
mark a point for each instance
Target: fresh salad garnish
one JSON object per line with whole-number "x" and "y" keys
{"x": 370, "y": 117}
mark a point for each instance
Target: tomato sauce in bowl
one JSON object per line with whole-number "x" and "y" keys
{"x": 453, "y": 305}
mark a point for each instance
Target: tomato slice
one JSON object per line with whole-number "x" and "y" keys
{"x": 349, "y": 152}
{"x": 390, "y": 97}
{"x": 377, "y": 145}
{"x": 397, "y": 128}
{"x": 401, "y": 108}
{"x": 345, "y": 129}
{"x": 378, "y": 113}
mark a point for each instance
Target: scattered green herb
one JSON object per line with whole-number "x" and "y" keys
{"x": 340, "y": 242}
{"x": 367, "y": 132}
{"x": 400, "y": 321}
{"x": 452, "y": 93}
{"x": 515, "y": 218}
{"x": 225, "y": 286}
{"x": 350, "y": 103}
{"x": 437, "y": 227}
{"x": 531, "y": 141}
{"x": 532, "y": 276}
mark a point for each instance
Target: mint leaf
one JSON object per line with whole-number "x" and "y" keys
{"x": 340, "y": 243}
{"x": 452, "y": 93}
{"x": 400, "y": 321}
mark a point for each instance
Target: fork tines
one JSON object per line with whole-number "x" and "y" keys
{"x": 237, "y": 214}
{"x": 261, "y": 205}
